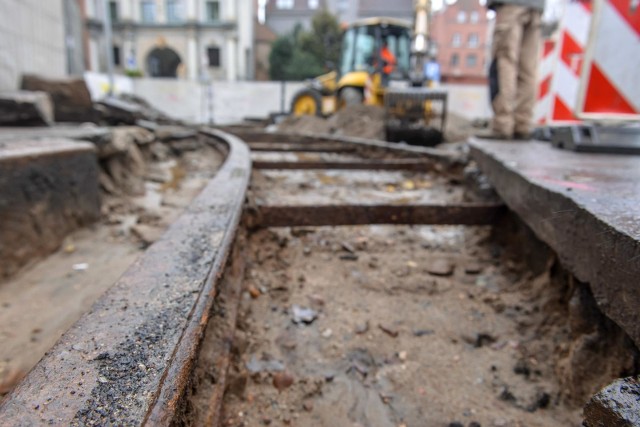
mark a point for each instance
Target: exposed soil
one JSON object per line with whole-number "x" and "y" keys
{"x": 365, "y": 121}
{"x": 362, "y": 121}
{"x": 47, "y": 297}
{"x": 413, "y": 326}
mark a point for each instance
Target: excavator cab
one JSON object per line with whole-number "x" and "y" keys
{"x": 360, "y": 68}
{"x": 362, "y": 77}
{"x": 361, "y": 56}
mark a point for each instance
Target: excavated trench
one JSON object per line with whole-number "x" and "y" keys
{"x": 357, "y": 284}
{"x": 326, "y": 323}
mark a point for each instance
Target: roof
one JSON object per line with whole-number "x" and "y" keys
{"x": 263, "y": 32}
{"x": 381, "y": 20}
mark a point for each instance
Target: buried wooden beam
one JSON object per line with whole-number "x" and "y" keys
{"x": 399, "y": 164}
{"x": 308, "y": 148}
{"x": 332, "y": 215}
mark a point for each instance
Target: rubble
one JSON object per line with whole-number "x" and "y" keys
{"x": 617, "y": 405}
{"x": 24, "y": 108}
{"x": 130, "y": 110}
{"x": 71, "y": 97}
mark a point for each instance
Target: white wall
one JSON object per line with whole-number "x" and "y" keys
{"x": 31, "y": 40}
{"x": 470, "y": 101}
{"x": 233, "y": 101}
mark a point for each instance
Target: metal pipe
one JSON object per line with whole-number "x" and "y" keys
{"x": 108, "y": 40}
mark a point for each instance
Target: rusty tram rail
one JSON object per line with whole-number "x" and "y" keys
{"x": 131, "y": 359}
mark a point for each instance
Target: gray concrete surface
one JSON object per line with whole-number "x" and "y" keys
{"x": 48, "y": 188}
{"x": 586, "y": 207}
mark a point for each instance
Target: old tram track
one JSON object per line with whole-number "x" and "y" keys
{"x": 158, "y": 347}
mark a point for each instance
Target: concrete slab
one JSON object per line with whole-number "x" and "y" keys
{"x": 586, "y": 207}
{"x": 48, "y": 188}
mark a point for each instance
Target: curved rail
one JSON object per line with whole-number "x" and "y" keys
{"x": 128, "y": 360}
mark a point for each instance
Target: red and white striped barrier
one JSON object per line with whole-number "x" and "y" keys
{"x": 612, "y": 64}
{"x": 594, "y": 64}
{"x": 545, "y": 76}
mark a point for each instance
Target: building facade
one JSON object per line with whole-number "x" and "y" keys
{"x": 462, "y": 33}
{"x": 190, "y": 39}
{"x": 32, "y": 40}
{"x": 282, "y": 16}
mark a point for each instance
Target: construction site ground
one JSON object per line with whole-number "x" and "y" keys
{"x": 416, "y": 326}
{"x": 363, "y": 326}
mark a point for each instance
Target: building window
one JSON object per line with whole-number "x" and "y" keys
{"x": 462, "y": 17}
{"x": 473, "y": 40}
{"x": 474, "y": 17}
{"x": 213, "y": 11}
{"x": 343, "y": 5}
{"x": 313, "y": 4}
{"x": 213, "y": 54}
{"x": 113, "y": 11}
{"x": 284, "y": 4}
{"x": 457, "y": 40}
{"x": 472, "y": 60}
{"x": 148, "y": 11}
{"x": 117, "y": 60}
{"x": 455, "y": 60}
{"x": 174, "y": 11}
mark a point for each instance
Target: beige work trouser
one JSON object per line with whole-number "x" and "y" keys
{"x": 515, "y": 55}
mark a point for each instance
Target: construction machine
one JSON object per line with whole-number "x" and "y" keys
{"x": 414, "y": 112}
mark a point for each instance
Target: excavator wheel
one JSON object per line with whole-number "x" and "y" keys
{"x": 423, "y": 136}
{"x": 307, "y": 102}
{"x": 351, "y": 96}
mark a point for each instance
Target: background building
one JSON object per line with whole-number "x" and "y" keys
{"x": 462, "y": 33}
{"x": 283, "y": 15}
{"x": 33, "y": 40}
{"x": 190, "y": 39}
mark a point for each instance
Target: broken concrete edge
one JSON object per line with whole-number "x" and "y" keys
{"x": 443, "y": 156}
{"x": 126, "y": 360}
{"x": 26, "y": 108}
{"x": 617, "y": 405}
{"x": 595, "y": 251}
{"x": 49, "y": 189}
{"x": 21, "y": 148}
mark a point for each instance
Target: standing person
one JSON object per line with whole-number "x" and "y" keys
{"x": 388, "y": 63}
{"x": 512, "y": 74}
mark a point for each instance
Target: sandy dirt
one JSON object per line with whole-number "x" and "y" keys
{"x": 48, "y": 296}
{"x": 365, "y": 121}
{"x": 406, "y": 326}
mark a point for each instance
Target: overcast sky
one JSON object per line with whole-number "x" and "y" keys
{"x": 552, "y": 11}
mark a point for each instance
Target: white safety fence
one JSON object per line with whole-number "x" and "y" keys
{"x": 230, "y": 102}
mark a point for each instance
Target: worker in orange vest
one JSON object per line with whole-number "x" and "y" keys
{"x": 388, "y": 63}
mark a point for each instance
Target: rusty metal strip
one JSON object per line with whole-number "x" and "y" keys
{"x": 392, "y": 164}
{"x": 310, "y": 148}
{"x": 128, "y": 361}
{"x": 330, "y": 215}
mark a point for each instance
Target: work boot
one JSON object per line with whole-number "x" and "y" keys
{"x": 522, "y": 136}
{"x": 493, "y": 135}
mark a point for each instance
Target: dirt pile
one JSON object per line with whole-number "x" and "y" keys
{"x": 365, "y": 121}
{"x": 304, "y": 124}
{"x": 362, "y": 121}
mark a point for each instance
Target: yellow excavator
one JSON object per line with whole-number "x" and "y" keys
{"x": 412, "y": 108}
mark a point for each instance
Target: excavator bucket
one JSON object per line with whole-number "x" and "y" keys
{"x": 415, "y": 115}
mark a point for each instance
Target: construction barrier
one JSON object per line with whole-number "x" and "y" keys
{"x": 588, "y": 70}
